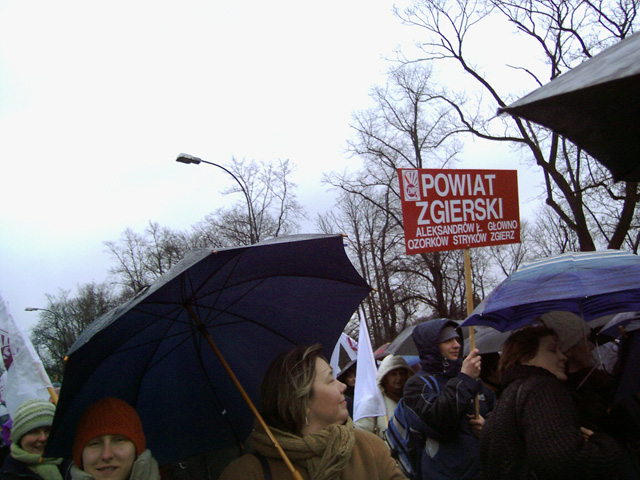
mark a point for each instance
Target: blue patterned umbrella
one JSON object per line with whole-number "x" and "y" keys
{"x": 589, "y": 284}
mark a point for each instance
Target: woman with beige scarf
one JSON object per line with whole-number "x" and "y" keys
{"x": 305, "y": 408}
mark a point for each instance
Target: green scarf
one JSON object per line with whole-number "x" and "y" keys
{"x": 47, "y": 468}
{"x": 324, "y": 453}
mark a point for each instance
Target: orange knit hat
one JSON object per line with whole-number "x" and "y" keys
{"x": 109, "y": 416}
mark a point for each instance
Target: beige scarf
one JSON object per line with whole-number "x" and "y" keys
{"x": 47, "y": 468}
{"x": 324, "y": 453}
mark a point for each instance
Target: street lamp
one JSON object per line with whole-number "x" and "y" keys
{"x": 190, "y": 159}
{"x": 35, "y": 309}
{"x": 58, "y": 318}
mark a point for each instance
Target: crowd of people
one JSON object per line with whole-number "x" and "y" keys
{"x": 541, "y": 411}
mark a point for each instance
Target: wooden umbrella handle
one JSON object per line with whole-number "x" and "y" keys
{"x": 296, "y": 475}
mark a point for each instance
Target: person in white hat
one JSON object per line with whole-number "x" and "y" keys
{"x": 392, "y": 375}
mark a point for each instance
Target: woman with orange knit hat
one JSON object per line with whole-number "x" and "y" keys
{"x": 109, "y": 444}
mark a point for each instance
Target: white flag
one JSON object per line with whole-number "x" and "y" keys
{"x": 367, "y": 401}
{"x": 25, "y": 377}
{"x": 344, "y": 351}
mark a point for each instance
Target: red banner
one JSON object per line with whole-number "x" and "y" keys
{"x": 454, "y": 209}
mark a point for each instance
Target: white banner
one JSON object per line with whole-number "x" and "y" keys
{"x": 368, "y": 401}
{"x": 25, "y": 377}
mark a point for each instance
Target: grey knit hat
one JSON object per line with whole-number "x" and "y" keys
{"x": 32, "y": 414}
{"x": 447, "y": 333}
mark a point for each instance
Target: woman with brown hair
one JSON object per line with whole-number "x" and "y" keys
{"x": 305, "y": 408}
{"x": 534, "y": 430}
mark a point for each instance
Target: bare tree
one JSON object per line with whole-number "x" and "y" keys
{"x": 410, "y": 126}
{"x": 64, "y": 319}
{"x": 509, "y": 257}
{"x": 551, "y": 236}
{"x": 142, "y": 258}
{"x": 376, "y": 246}
{"x": 272, "y": 208}
{"x": 579, "y": 191}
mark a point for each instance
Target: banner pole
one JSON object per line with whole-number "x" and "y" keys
{"x": 469, "y": 292}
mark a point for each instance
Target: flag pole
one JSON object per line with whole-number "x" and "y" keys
{"x": 54, "y": 395}
{"x": 469, "y": 296}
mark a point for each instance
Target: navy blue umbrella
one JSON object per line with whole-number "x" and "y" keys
{"x": 589, "y": 284}
{"x": 158, "y": 351}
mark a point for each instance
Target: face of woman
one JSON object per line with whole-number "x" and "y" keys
{"x": 35, "y": 440}
{"x": 327, "y": 405}
{"x": 550, "y": 357}
{"x": 394, "y": 381}
{"x": 109, "y": 457}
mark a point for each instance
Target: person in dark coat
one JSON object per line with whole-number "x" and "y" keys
{"x": 348, "y": 376}
{"x": 534, "y": 430}
{"x": 446, "y": 409}
{"x": 29, "y": 433}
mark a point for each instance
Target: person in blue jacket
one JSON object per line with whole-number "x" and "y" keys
{"x": 442, "y": 395}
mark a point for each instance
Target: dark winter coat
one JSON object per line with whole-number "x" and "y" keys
{"x": 13, "y": 469}
{"x": 451, "y": 451}
{"x": 534, "y": 432}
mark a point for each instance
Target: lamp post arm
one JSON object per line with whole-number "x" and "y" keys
{"x": 35, "y": 309}
{"x": 253, "y": 230}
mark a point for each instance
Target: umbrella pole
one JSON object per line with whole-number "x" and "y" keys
{"x": 472, "y": 334}
{"x": 296, "y": 475}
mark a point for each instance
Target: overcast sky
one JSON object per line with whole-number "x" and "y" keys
{"x": 98, "y": 98}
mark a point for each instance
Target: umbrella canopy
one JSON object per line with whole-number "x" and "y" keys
{"x": 379, "y": 352}
{"x": 629, "y": 321}
{"x": 596, "y": 105}
{"x": 589, "y": 284}
{"x": 254, "y": 302}
{"x": 570, "y": 328}
{"x": 488, "y": 340}
{"x": 401, "y": 345}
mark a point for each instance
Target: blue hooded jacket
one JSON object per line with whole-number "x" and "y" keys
{"x": 451, "y": 450}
